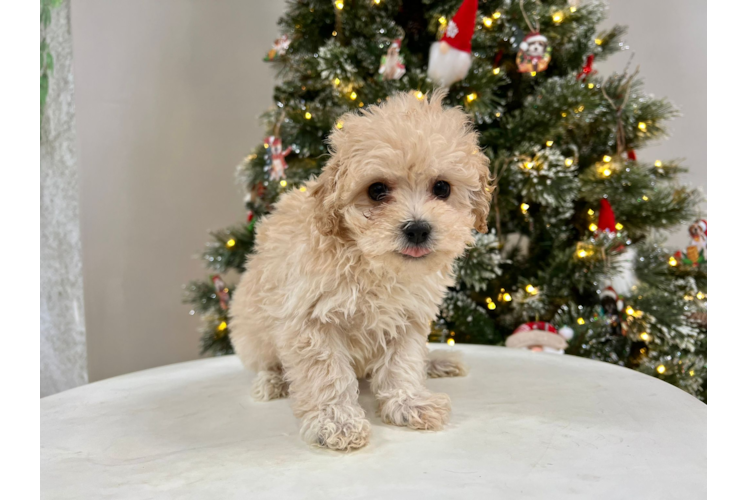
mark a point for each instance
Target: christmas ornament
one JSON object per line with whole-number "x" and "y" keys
{"x": 278, "y": 155}
{"x": 450, "y": 58}
{"x": 392, "y": 66}
{"x": 566, "y": 332}
{"x": 696, "y": 251}
{"x": 537, "y": 336}
{"x": 611, "y": 307}
{"x": 222, "y": 291}
{"x": 250, "y": 220}
{"x": 534, "y": 54}
{"x": 631, "y": 155}
{"x": 280, "y": 46}
{"x": 625, "y": 276}
{"x": 587, "y": 69}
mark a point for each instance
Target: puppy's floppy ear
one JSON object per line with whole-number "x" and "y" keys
{"x": 482, "y": 197}
{"x": 326, "y": 211}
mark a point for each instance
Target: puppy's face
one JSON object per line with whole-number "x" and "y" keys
{"x": 406, "y": 183}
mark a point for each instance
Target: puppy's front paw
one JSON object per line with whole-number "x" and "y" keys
{"x": 337, "y": 427}
{"x": 424, "y": 411}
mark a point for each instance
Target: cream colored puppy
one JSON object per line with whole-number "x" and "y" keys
{"x": 348, "y": 275}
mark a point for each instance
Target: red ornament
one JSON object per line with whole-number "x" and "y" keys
{"x": 250, "y": 216}
{"x": 631, "y": 155}
{"x": 587, "y": 69}
{"x": 606, "y": 221}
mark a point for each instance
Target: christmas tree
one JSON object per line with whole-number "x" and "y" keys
{"x": 577, "y": 224}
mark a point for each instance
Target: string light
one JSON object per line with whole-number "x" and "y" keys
{"x": 230, "y": 243}
{"x": 442, "y": 20}
{"x": 579, "y": 109}
{"x": 672, "y": 261}
{"x": 283, "y": 183}
{"x": 491, "y": 306}
{"x": 700, "y": 296}
{"x": 361, "y": 104}
{"x": 582, "y": 253}
{"x": 619, "y": 226}
{"x": 451, "y": 341}
{"x": 558, "y": 17}
{"x": 353, "y": 96}
{"x": 308, "y": 115}
{"x": 471, "y": 97}
{"x": 607, "y": 159}
{"x": 337, "y": 82}
{"x": 419, "y": 95}
{"x": 590, "y": 212}
{"x": 642, "y": 126}
{"x": 528, "y": 165}
{"x": 549, "y": 143}
{"x": 607, "y": 172}
{"x": 563, "y": 114}
{"x": 580, "y": 321}
{"x": 302, "y": 189}
{"x": 339, "y": 4}
{"x": 266, "y": 145}
{"x": 339, "y": 125}
{"x": 524, "y": 207}
{"x": 598, "y": 41}
{"x": 661, "y": 369}
{"x": 487, "y": 21}
{"x": 376, "y": 2}
{"x": 572, "y": 9}
{"x": 531, "y": 290}
{"x": 498, "y": 114}
{"x": 644, "y": 336}
{"x": 688, "y": 298}
{"x": 496, "y": 71}
{"x": 590, "y": 85}
{"x": 645, "y": 198}
{"x": 496, "y": 15}
{"x": 533, "y": 73}
{"x": 222, "y": 326}
{"x": 593, "y": 227}
{"x": 506, "y": 297}
{"x": 569, "y": 162}
{"x": 334, "y": 33}
{"x": 658, "y": 164}
{"x": 692, "y": 372}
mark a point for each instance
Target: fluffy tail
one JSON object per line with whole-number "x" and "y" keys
{"x": 445, "y": 364}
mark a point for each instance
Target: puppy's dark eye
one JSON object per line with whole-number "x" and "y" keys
{"x": 441, "y": 189}
{"x": 378, "y": 191}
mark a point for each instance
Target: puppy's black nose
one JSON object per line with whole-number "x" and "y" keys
{"x": 417, "y": 231}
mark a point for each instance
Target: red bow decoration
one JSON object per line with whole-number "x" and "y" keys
{"x": 587, "y": 69}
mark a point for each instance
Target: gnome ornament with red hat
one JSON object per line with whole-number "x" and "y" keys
{"x": 450, "y": 58}
{"x": 537, "y": 336}
{"x": 625, "y": 276}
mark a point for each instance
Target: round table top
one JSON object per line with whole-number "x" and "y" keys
{"x": 524, "y": 425}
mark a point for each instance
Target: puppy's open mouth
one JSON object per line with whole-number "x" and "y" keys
{"x": 415, "y": 252}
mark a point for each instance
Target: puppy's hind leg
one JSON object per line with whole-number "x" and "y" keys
{"x": 269, "y": 384}
{"x": 445, "y": 364}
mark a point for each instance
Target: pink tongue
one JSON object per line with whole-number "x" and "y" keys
{"x": 415, "y": 252}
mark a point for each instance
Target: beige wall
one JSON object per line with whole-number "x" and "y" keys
{"x": 167, "y": 95}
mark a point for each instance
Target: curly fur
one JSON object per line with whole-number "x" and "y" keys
{"x": 328, "y": 295}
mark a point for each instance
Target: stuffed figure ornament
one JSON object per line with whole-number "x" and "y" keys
{"x": 537, "y": 336}
{"x": 450, "y": 58}
{"x": 278, "y": 155}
